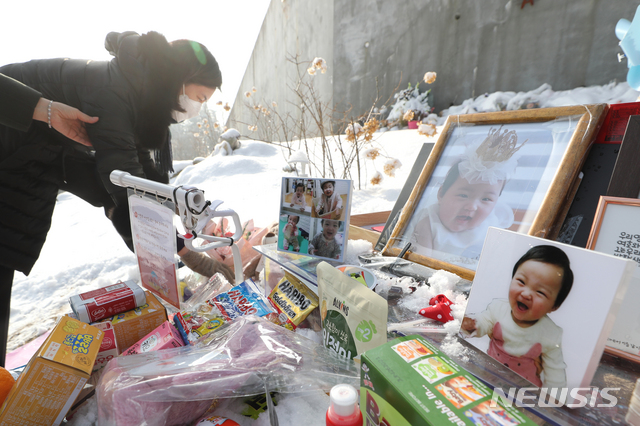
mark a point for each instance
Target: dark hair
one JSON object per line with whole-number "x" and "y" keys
{"x": 452, "y": 175}
{"x": 299, "y": 185}
{"x": 196, "y": 65}
{"x": 167, "y": 67}
{"x": 294, "y": 216}
{"x": 553, "y": 256}
{"x": 332, "y": 182}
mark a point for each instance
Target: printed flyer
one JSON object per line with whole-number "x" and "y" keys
{"x": 154, "y": 240}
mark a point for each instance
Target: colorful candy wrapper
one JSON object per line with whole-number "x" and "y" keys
{"x": 293, "y": 301}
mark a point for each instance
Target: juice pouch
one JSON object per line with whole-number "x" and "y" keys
{"x": 293, "y": 301}
{"x": 354, "y": 318}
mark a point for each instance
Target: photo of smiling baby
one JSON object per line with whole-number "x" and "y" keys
{"x": 328, "y": 240}
{"x": 526, "y": 297}
{"x": 468, "y": 201}
{"x": 522, "y": 336}
{"x": 330, "y": 199}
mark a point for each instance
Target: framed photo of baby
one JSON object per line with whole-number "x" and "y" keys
{"x": 314, "y": 217}
{"x": 524, "y": 308}
{"x": 515, "y": 170}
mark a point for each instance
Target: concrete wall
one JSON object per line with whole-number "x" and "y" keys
{"x": 475, "y": 46}
{"x": 290, "y": 28}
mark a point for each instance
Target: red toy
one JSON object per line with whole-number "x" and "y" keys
{"x": 439, "y": 309}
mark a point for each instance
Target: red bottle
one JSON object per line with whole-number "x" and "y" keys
{"x": 344, "y": 409}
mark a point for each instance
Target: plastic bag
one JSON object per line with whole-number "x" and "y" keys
{"x": 177, "y": 386}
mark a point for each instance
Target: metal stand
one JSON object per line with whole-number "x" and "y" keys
{"x": 194, "y": 211}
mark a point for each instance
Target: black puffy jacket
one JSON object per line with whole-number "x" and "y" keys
{"x": 134, "y": 108}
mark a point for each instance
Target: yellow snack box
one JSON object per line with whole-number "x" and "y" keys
{"x": 54, "y": 376}
{"x": 293, "y": 301}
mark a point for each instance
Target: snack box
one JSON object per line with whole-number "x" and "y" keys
{"x": 54, "y": 376}
{"x": 409, "y": 381}
{"x": 165, "y": 336}
{"x": 133, "y": 325}
{"x": 108, "y": 348}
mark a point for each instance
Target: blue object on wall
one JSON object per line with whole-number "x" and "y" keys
{"x": 629, "y": 35}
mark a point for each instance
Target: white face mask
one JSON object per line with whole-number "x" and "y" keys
{"x": 191, "y": 107}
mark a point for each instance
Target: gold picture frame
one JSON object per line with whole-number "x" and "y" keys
{"x": 556, "y": 143}
{"x": 616, "y": 231}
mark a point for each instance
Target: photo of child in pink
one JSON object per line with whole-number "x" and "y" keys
{"x": 328, "y": 202}
{"x": 324, "y": 243}
{"x": 298, "y": 200}
{"x": 522, "y": 336}
{"x": 468, "y": 201}
{"x": 290, "y": 233}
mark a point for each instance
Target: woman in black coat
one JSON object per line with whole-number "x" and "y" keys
{"x": 149, "y": 85}
{"x": 20, "y": 104}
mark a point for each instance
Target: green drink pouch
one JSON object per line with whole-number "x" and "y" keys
{"x": 354, "y": 318}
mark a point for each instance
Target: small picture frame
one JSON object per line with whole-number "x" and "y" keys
{"x": 616, "y": 231}
{"x": 528, "y": 305}
{"x": 314, "y": 217}
{"x": 520, "y": 169}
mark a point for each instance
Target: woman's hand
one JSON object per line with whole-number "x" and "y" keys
{"x": 65, "y": 119}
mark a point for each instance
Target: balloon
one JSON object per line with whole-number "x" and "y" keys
{"x": 633, "y": 77}
{"x": 629, "y": 35}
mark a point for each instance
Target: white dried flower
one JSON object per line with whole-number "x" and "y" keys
{"x": 376, "y": 179}
{"x": 426, "y": 129}
{"x": 371, "y": 153}
{"x": 429, "y": 77}
{"x": 354, "y": 130}
{"x": 391, "y": 166}
{"x": 320, "y": 64}
{"x": 311, "y": 71}
{"x": 247, "y": 94}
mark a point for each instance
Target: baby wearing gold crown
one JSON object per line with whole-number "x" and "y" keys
{"x": 469, "y": 200}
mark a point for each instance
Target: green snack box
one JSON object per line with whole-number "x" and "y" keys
{"x": 409, "y": 382}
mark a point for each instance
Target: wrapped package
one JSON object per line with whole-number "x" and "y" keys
{"x": 177, "y": 386}
{"x": 251, "y": 236}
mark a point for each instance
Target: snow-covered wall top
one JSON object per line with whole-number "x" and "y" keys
{"x": 474, "y": 46}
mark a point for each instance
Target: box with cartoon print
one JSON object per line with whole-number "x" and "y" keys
{"x": 55, "y": 375}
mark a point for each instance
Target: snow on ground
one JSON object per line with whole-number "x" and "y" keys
{"x": 83, "y": 252}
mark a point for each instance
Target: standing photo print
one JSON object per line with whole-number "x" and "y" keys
{"x": 544, "y": 309}
{"x": 314, "y": 217}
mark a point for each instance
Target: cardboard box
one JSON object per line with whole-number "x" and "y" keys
{"x": 54, "y": 377}
{"x": 108, "y": 348}
{"x": 163, "y": 337}
{"x": 408, "y": 381}
{"x": 131, "y": 326}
